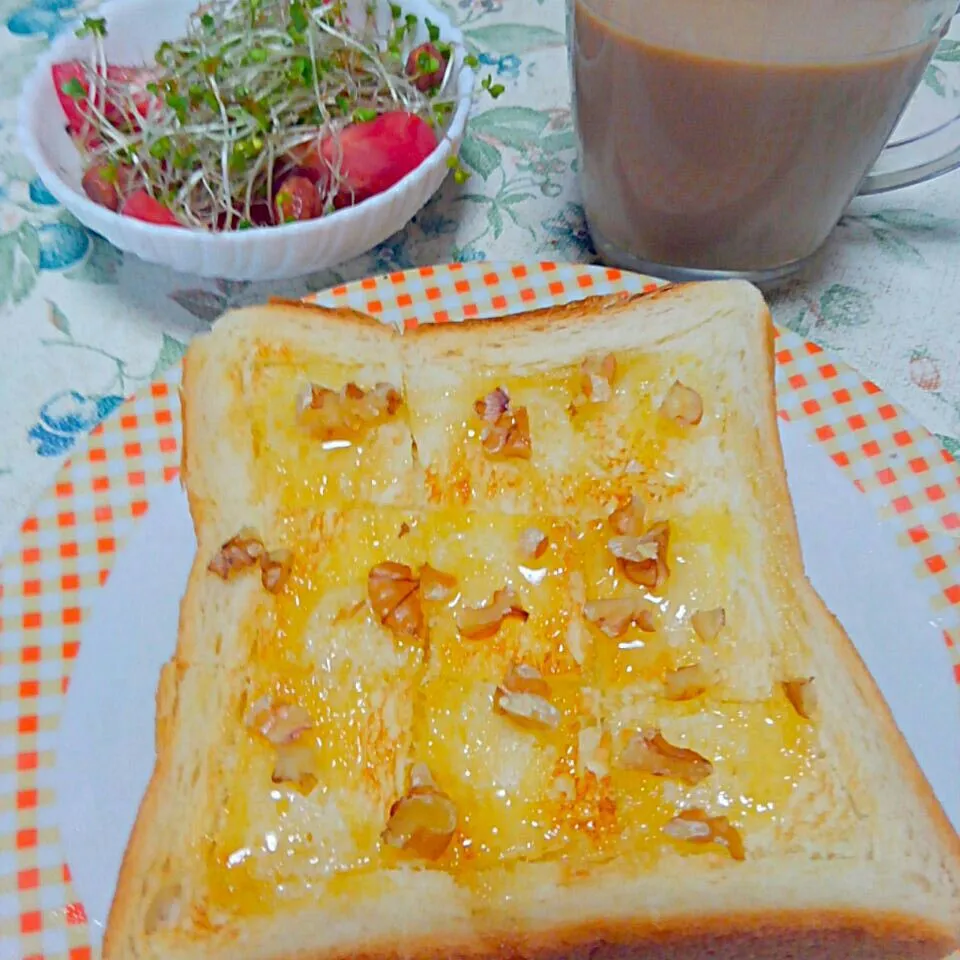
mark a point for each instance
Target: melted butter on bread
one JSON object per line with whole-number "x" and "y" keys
{"x": 581, "y": 456}
{"x": 380, "y": 701}
{"x": 294, "y": 471}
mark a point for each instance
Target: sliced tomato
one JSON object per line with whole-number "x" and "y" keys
{"x": 296, "y": 199}
{"x": 73, "y": 74}
{"x": 141, "y": 206}
{"x": 375, "y": 155}
{"x": 417, "y": 63}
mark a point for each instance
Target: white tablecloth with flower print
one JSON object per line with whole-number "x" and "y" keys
{"x": 82, "y": 326}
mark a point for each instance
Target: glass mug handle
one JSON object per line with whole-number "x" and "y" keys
{"x": 919, "y": 156}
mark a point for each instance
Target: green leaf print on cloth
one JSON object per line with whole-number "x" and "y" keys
{"x": 897, "y": 232}
{"x": 102, "y": 265}
{"x": 936, "y": 79}
{"x": 171, "y": 352}
{"x": 58, "y": 319}
{"x": 513, "y": 126}
{"x": 544, "y": 139}
{"x": 838, "y": 306}
{"x": 951, "y": 445}
{"x": 124, "y": 376}
{"x": 17, "y": 65}
{"x": 481, "y": 157}
{"x": 948, "y": 51}
{"x": 516, "y": 38}
{"x": 19, "y": 263}
{"x": 943, "y": 81}
{"x": 843, "y": 306}
{"x": 27, "y": 264}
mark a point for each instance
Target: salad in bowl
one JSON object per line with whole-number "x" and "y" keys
{"x": 249, "y": 139}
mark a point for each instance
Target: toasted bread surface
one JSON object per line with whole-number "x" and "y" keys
{"x": 565, "y": 844}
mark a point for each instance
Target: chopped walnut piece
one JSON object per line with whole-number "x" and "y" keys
{"x": 295, "y": 764}
{"x": 480, "y": 623}
{"x": 596, "y": 377}
{"x": 385, "y": 399}
{"x": 324, "y": 414}
{"x": 509, "y": 437}
{"x": 593, "y": 751}
{"x": 635, "y": 549}
{"x": 707, "y": 624}
{"x": 523, "y": 696}
{"x": 533, "y": 543}
{"x": 524, "y": 678}
{"x": 683, "y": 405}
{"x": 564, "y": 787}
{"x": 697, "y": 826}
{"x": 239, "y": 552}
{"x": 802, "y": 696}
{"x": 313, "y": 397}
{"x": 348, "y": 611}
{"x": 394, "y": 592}
{"x": 246, "y": 550}
{"x": 275, "y": 569}
{"x": 649, "y": 752}
{"x": 576, "y": 640}
{"x": 527, "y": 709}
{"x": 616, "y": 615}
{"x": 651, "y": 572}
{"x": 493, "y": 406}
{"x": 340, "y": 415}
{"x": 435, "y": 584}
{"x": 628, "y": 520}
{"x": 506, "y": 432}
{"x": 278, "y": 723}
{"x": 686, "y": 683}
{"x": 421, "y": 777}
{"x": 424, "y": 820}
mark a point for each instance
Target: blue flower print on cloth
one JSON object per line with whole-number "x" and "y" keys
{"x": 62, "y": 245}
{"x": 67, "y": 417}
{"x": 508, "y": 66}
{"x": 40, "y": 195}
{"x": 469, "y": 254}
{"x": 391, "y": 255}
{"x": 481, "y": 6}
{"x": 434, "y": 222}
{"x": 43, "y": 18}
{"x": 567, "y": 233}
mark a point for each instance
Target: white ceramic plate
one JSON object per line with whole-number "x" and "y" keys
{"x": 90, "y": 592}
{"x": 109, "y": 719}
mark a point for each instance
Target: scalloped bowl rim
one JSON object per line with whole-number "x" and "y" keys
{"x": 89, "y": 213}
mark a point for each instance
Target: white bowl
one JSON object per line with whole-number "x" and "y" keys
{"x": 135, "y": 29}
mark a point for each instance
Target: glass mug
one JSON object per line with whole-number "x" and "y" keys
{"x": 726, "y": 138}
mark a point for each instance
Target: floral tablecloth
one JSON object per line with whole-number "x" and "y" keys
{"x": 82, "y": 326}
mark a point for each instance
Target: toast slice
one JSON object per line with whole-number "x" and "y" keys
{"x": 496, "y": 646}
